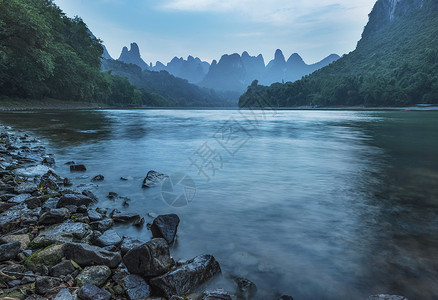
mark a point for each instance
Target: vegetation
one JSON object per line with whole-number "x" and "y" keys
{"x": 394, "y": 66}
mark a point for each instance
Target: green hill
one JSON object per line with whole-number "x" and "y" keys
{"x": 395, "y": 64}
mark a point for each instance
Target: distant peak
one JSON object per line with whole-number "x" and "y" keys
{"x": 245, "y": 54}
{"x": 135, "y": 49}
{"x": 190, "y": 58}
{"x": 279, "y": 55}
{"x": 295, "y": 59}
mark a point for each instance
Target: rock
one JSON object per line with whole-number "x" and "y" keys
{"x": 386, "y": 297}
{"x": 150, "y": 259}
{"x": 112, "y": 195}
{"x": 65, "y": 232}
{"x": 96, "y": 275}
{"x": 98, "y": 178}
{"x": 125, "y": 217}
{"x": 87, "y": 255}
{"x": 89, "y": 194}
{"x": 44, "y": 284}
{"x": 74, "y": 199}
{"x": 33, "y": 202}
{"x": 23, "y": 239}
{"x": 109, "y": 238}
{"x": 54, "y": 216}
{"x": 246, "y": 289}
{"x": 153, "y": 178}
{"x": 92, "y": 292}
{"x": 26, "y": 188}
{"x": 70, "y": 163}
{"x": 187, "y": 277}
{"x": 102, "y": 225}
{"x": 48, "y": 161}
{"x": 4, "y": 206}
{"x": 48, "y": 182}
{"x": 139, "y": 222}
{"x": 63, "y": 268}
{"x": 63, "y": 294}
{"x": 67, "y": 182}
{"x": 285, "y": 297}
{"x": 9, "y": 251}
{"x": 19, "y": 198}
{"x": 16, "y": 217}
{"x": 218, "y": 294}
{"x": 129, "y": 243}
{"x": 48, "y": 257}
{"x": 94, "y": 215}
{"x": 135, "y": 286}
{"x": 165, "y": 226}
{"x": 78, "y": 168}
{"x": 50, "y": 203}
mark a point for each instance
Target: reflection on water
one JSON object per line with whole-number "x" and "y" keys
{"x": 317, "y": 204}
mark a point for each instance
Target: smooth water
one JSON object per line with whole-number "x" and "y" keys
{"x": 314, "y": 204}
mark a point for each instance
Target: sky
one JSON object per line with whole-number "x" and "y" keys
{"x": 208, "y": 29}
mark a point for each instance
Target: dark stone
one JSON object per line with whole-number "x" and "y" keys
{"x": 89, "y": 194}
{"x": 165, "y": 226}
{"x": 9, "y": 251}
{"x": 63, "y": 294}
{"x": 64, "y": 268}
{"x": 153, "y": 178}
{"x": 4, "y": 206}
{"x": 64, "y": 232}
{"x": 150, "y": 259}
{"x": 87, "y": 255}
{"x": 98, "y": 178}
{"x": 49, "y": 182}
{"x": 112, "y": 195}
{"x": 74, "y": 199}
{"x": 123, "y": 178}
{"x": 78, "y": 168}
{"x": 95, "y": 275}
{"x": 218, "y": 294}
{"x": 186, "y": 278}
{"x": 94, "y": 215}
{"x": 386, "y": 297}
{"x": 70, "y": 163}
{"x": 285, "y": 297}
{"x": 125, "y": 217}
{"x": 44, "y": 284}
{"x": 54, "y": 216}
{"x": 81, "y": 209}
{"x": 19, "y": 198}
{"x": 135, "y": 286}
{"x": 246, "y": 289}
{"x": 92, "y": 292}
{"x": 102, "y": 225}
{"x": 139, "y": 222}
{"x": 33, "y": 202}
{"x": 48, "y": 161}
{"x": 67, "y": 182}
{"x": 26, "y": 188}
{"x": 129, "y": 243}
{"x": 109, "y": 238}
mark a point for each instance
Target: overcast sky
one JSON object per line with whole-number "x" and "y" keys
{"x": 210, "y": 28}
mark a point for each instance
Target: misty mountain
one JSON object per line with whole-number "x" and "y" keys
{"x": 106, "y": 54}
{"x": 132, "y": 56}
{"x": 192, "y": 69}
{"x": 394, "y": 64}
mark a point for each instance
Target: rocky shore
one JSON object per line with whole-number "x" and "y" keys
{"x": 56, "y": 243}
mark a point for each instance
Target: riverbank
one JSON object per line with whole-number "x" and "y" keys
{"x": 12, "y": 104}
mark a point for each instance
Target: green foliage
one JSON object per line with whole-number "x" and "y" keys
{"x": 395, "y": 66}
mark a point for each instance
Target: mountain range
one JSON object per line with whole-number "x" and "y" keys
{"x": 233, "y": 72}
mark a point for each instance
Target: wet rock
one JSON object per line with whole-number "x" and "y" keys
{"x": 123, "y": 178}
{"x": 135, "y": 286}
{"x": 50, "y": 203}
{"x": 187, "y": 277}
{"x": 92, "y": 292}
{"x": 102, "y": 225}
{"x": 26, "y": 188}
{"x": 94, "y": 215}
{"x": 78, "y": 168}
{"x": 70, "y": 163}
{"x": 129, "y": 243}
{"x": 65, "y": 232}
{"x": 63, "y": 268}
{"x": 165, "y": 226}
{"x": 112, "y": 195}
{"x": 23, "y": 239}
{"x": 150, "y": 259}
{"x": 54, "y": 216}
{"x": 74, "y": 199}
{"x": 246, "y": 289}
{"x": 87, "y": 255}
{"x": 153, "y": 178}
{"x": 67, "y": 182}
{"x": 63, "y": 294}
{"x": 19, "y": 198}
{"x": 48, "y": 161}
{"x": 96, "y": 275}
{"x": 125, "y": 217}
{"x": 4, "y": 206}
{"x": 48, "y": 257}
{"x": 139, "y": 222}
{"x": 33, "y": 202}
{"x": 285, "y": 297}
{"x": 386, "y": 297}
{"x": 44, "y": 284}
{"x": 9, "y": 251}
{"x": 218, "y": 294}
{"x": 109, "y": 238}
{"x": 89, "y": 194}
{"x": 98, "y": 178}
{"x": 32, "y": 171}
{"x": 49, "y": 182}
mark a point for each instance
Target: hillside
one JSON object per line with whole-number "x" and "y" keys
{"x": 395, "y": 64}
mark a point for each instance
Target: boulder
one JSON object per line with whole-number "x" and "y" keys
{"x": 246, "y": 289}
{"x": 129, "y": 243}
{"x": 150, "y": 259}
{"x": 74, "y": 199}
{"x": 26, "y": 188}
{"x": 63, "y": 294}
{"x": 48, "y": 257}
{"x": 48, "y": 161}
{"x": 65, "y": 232}
{"x": 125, "y": 217}
{"x": 92, "y": 292}
{"x": 33, "y": 202}
{"x": 49, "y": 182}
{"x": 16, "y": 217}
{"x": 9, "y": 250}
{"x": 19, "y": 198}
{"x": 78, "y": 168}
{"x": 108, "y": 238}
{"x": 135, "y": 286}
{"x": 63, "y": 268}
{"x": 165, "y": 226}
{"x": 4, "y": 206}
{"x": 93, "y": 215}
{"x": 54, "y": 216}
{"x": 187, "y": 277}
{"x": 285, "y": 297}
{"x": 23, "y": 239}
{"x": 218, "y": 294}
{"x": 102, "y": 225}
{"x": 43, "y": 284}
{"x": 96, "y": 275}
{"x": 87, "y": 255}
{"x": 153, "y": 178}
{"x": 386, "y": 297}
{"x": 98, "y": 178}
